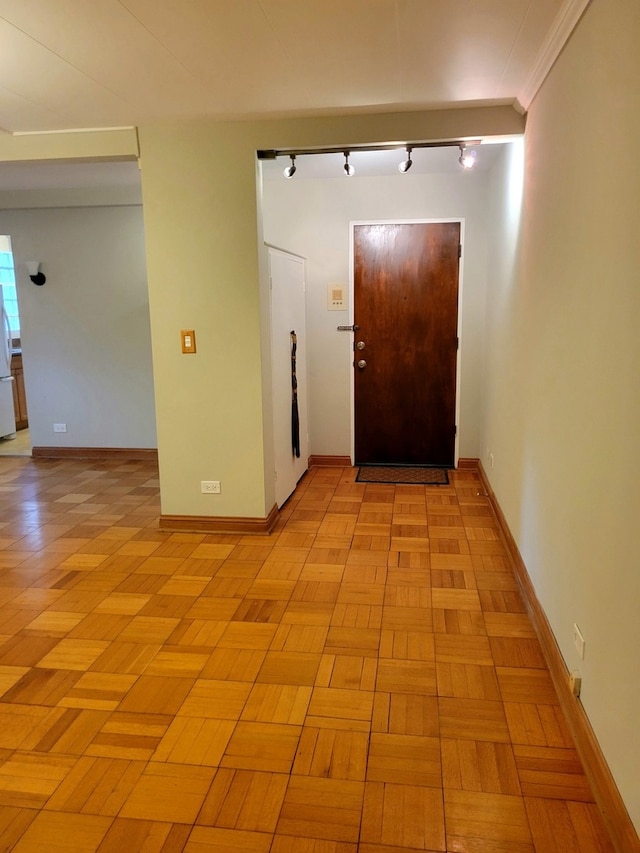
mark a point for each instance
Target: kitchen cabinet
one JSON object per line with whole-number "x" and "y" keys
{"x": 19, "y": 398}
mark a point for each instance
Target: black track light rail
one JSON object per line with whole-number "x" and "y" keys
{"x": 274, "y": 153}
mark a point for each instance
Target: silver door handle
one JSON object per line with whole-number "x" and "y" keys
{"x": 362, "y": 364}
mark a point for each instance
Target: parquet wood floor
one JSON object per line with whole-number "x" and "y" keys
{"x": 364, "y": 679}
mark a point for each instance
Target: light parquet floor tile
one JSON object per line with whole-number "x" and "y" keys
{"x": 567, "y": 826}
{"x": 403, "y": 815}
{"x": 322, "y": 808}
{"x": 496, "y": 821}
{"x": 405, "y": 714}
{"x": 204, "y": 839}
{"x": 244, "y": 800}
{"x": 168, "y": 792}
{"x": 96, "y": 786}
{"x": 262, "y": 746}
{"x": 363, "y": 680}
{"x": 277, "y": 703}
{"x": 404, "y": 760}
{"x": 145, "y": 836}
{"x": 130, "y": 736}
{"x": 59, "y": 832}
{"x": 332, "y": 753}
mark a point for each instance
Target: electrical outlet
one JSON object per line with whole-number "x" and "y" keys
{"x": 210, "y": 487}
{"x": 578, "y": 640}
{"x": 575, "y": 683}
{"x": 59, "y": 427}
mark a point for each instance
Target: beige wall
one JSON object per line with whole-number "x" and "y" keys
{"x": 562, "y": 391}
{"x": 202, "y": 255}
{"x": 202, "y": 232}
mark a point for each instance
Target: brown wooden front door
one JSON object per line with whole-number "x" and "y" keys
{"x": 406, "y": 307}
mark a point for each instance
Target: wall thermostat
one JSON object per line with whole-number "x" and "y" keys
{"x": 335, "y": 297}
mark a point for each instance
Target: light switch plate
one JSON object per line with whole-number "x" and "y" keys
{"x": 188, "y": 340}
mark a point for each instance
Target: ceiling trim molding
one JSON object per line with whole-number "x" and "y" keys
{"x": 87, "y": 145}
{"x": 64, "y": 131}
{"x": 563, "y": 26}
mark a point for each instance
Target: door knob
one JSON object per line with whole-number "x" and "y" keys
{"x": 360, "y": 345}
{"x": 362, "y": 363}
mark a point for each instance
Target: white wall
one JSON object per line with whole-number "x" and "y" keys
{"x": 311, "y": 218}
{"x": 563, "y": 366}
{"x": 85, "y": 333}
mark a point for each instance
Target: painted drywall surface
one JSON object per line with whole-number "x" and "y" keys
{"x": 85, "y": 333}
{"x": 567, "y": 477}
{"x": 105, "y": 196}
{"x": 312, "y": 218}
{"x": 199, "y": 192}
{"x": 503, "y": 417}
{"x": 202, "y": 237}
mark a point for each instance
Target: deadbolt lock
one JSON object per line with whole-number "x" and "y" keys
{"x": 360, "y": 345}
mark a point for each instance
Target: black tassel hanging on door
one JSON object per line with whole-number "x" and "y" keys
{"x": 295, "y": 415}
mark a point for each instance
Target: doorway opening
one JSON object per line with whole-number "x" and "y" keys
{"x": 313, "y": 214}
{"x": 15, "y": 440}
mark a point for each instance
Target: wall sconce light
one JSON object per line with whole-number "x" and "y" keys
{"x": 33, "y": 268}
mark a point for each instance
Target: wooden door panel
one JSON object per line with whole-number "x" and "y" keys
{"x": 406, "y": 305}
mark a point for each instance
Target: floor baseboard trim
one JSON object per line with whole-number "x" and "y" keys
{"x": 134, "y": 453}
{"x": 618, "y": 822}
{"x": 219, "y": 524}
{"x": 330, "y": 461}
{"x": 345, "y": 462}
{"x": 470, "y": 463}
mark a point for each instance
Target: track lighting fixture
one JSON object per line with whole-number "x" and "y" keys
{"x": 290, "y": 170}
{"x": 406, "y": 164}
{"x": 349, "y": 170}
{"x": 467, "y": 158}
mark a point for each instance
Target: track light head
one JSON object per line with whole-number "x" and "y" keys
{"x": 467, "y": 158}
{"x": 290, "y": 171}
{"x": 406, "y": 164}
{"x": 349, "y": 170}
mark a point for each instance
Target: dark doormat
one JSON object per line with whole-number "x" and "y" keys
{"x": 403, "y": 474}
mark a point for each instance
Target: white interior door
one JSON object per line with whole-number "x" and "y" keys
{"x": 287, "y": 274}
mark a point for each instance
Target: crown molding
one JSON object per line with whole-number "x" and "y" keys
{"x": 563, "y": 26}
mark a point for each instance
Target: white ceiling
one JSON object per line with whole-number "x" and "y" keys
{"x": 110, "y": 63}
{"x": 75, "y": 64}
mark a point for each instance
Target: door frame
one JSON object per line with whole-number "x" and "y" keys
{"x": 288, "y": 473}
{"x": 352, "y": 226}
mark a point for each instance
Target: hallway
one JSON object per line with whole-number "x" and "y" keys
{"x": 364, "y": 679}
